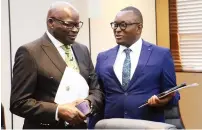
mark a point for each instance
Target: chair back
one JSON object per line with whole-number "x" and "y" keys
{"x": 121, "y": 123}
{"x": 172, "y": 116}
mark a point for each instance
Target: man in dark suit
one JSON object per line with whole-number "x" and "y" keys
{"x": 39, "y": 67}
{"x": 134, "y": 72}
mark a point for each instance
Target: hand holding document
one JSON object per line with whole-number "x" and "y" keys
{"x": 172, "y": 90}
{"x": 72, "y": 87}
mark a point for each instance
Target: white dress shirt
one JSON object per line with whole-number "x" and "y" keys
{"x": 58, "y": 45}
{"x": 134, "y": 57}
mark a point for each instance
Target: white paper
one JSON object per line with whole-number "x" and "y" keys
{"x": 72, "y": 87}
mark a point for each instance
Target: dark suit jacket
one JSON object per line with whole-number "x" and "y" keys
{"x": 154, "y": 74}
{"x": 37, "y": 72}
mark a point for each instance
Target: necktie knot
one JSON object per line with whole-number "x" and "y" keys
{"x": 69, "y": 59}
{"x": 127, "y": 51}
{"x": 66, "y": 48}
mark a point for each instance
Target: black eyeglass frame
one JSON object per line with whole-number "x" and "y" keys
{"x": 69, "y": 25}
{"x": 119, "y": 25}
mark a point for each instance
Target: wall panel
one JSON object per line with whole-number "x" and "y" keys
{"x": 5, "y": 62}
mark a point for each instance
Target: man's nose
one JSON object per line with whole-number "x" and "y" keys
{"x": 118, "y": 29}
{"x": 74, "y": 29}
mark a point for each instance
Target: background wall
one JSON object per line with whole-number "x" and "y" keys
{"x": 28, "y": 23}
{"x": 5, "y": 62}
{"x": 190, "y": 102}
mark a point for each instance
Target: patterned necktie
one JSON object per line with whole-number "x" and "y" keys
{"x": 69, "y": 59}
{"x": 126, "y": 69}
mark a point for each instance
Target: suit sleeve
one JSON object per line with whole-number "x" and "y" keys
{"x": 24, "y": 84}
{"x": 96, "y": 95}
{"x": 168, "y": 78}
{"x": 97, "y": 70}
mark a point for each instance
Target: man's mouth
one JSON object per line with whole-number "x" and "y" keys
{"x": 118, "y": 36}
{"x": 72, "y": 36}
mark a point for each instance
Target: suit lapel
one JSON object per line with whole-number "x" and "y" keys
{"x": 53, "y": 54}
{"x": 143, "y": 59}
{"x": 111, "y": 57}
{"x": 79, "y": 55}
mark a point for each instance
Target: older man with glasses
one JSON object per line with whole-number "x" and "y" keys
{"x": 134, "y": 72}
{"x": 38, "y": 70}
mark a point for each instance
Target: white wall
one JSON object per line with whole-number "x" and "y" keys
{"x": 28, "y": 20}
{"x": 5, "y": 62}
{"x": 28, "y": 23}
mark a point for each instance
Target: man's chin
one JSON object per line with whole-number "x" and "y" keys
{"x": 120, "y": 43}
{"x": 70, "y": 41}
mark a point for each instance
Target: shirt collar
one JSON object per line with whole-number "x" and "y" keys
{"x": 133, "y": 47}
{"x": 56, "y": 43}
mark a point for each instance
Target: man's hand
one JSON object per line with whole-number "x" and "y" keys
{"x": 70, "y": 113}
{"x": 155, "y": 101}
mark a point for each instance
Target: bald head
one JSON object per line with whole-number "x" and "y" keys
{"x": 136, "y": 11}
{"x": 63, "y": 22}
{"x": 62, "y": 10}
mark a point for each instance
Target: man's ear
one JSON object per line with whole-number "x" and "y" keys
{"x": 140, "y": 26}
{"x": 50, "y": 22}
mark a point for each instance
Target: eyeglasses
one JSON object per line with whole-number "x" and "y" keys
{"x": 122, "y": 25}
{"x": 69, "y": 25}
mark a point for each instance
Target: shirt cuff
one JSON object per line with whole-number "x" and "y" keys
{"x": 56, "y": 114}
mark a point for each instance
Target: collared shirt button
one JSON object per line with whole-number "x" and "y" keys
{"x": 125, "y": 113}
{"x": 67, "y": 88}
